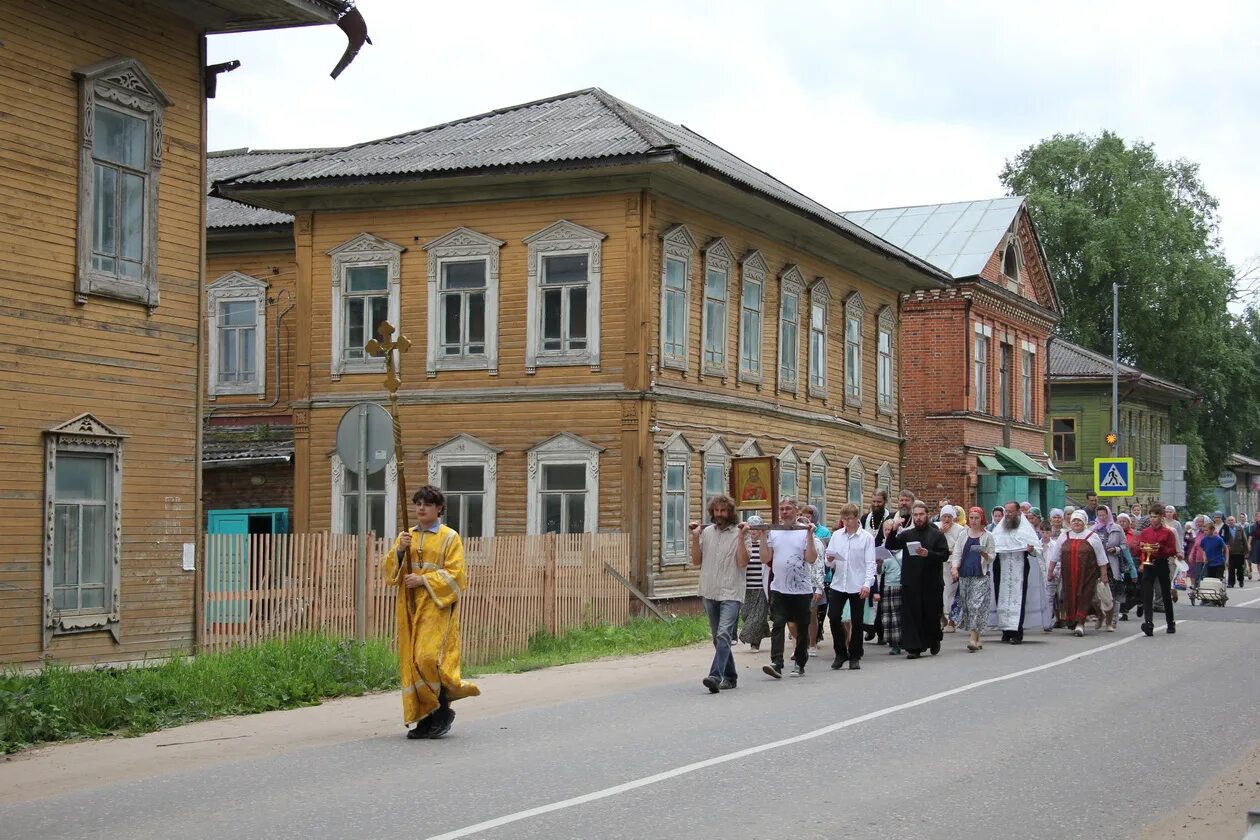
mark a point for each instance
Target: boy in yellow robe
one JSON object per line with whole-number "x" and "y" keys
{"x": 428, "y": 563}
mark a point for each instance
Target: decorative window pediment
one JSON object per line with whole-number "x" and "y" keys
{"x": 564, "y": 267}
{"x": 884, "y": 477}
{"x": 562, "y": 475}
{"x": 466, "y": 468}
{"x": 751, "y": 449}
{"x": 237, "y": 335}
{"x": 463, "y": 322}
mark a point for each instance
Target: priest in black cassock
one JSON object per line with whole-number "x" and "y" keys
{"x": 922, "y": 586}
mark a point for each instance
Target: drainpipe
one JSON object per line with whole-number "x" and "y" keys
{"x": 283, "y": 294}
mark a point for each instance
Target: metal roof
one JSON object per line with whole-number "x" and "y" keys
{"x": 958, "y": 238}
{"x": 1071, "y": 361}
{"x": 229, "y": 163}
{"x": 585, "y": 125}
{"x": 246, "y": 446}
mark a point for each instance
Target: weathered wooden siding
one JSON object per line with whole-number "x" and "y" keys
{"x": 136, "y": 373}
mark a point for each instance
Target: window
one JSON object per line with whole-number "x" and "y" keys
{"x": 564, "y": 268}
{"x": 818, "y": 483}
{"x": 789, "y": 474}
{"x": 82, "y": 544}
{"x": 717, "y": 468}
{"x": 675, "y": 513}
{"x": 1004, "y": 379}
{"x": 854, "y": 312}
{"x": 791, "y": 287}
{"x": 1064, "y": 439}
{"x": 854, "y": 481}
{"x": 463, "y": 295}
{"x": 819, "y": 298}
{"x": 752, "y": 290}
{"x": 237, "y": 335}
{"x": 563, "y": 486}
{"x": 380, "y": 499}
{"x": 884, "y": 477}
{"x": 1028, "y": 361}
{"x": 465, "y": 468}
{"x": 718, "y": 261}
{"x": 365, "y": 275}
{"x": 884, "y": 375}
{"x": 1012, "y": 259}
{"x": 120, "y": 159}
{"x": 677, "y": 247}
{"x": 981, "y": 367}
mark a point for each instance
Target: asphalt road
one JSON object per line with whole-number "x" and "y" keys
{"x": 1036, "y": 741}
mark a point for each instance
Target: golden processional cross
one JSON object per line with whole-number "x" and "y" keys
{"x": 385, "y": 346}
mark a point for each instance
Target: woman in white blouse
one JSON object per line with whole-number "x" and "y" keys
{"x": 1080, "y": 555}
{"x": 969, "y": 563}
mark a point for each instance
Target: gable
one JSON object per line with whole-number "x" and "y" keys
{"x": 1022, "y": 246}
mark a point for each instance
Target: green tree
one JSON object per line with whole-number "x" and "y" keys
{"x": 1108, "y": 212}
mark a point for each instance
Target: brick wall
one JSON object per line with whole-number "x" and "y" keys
{"x": 261, "y": 486}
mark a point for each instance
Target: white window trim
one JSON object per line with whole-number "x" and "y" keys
{"x": 855, "y": 467}
{"x": 464, "y": 245}
{"x": 753, "y": 269}
{"x": 563, "y": 237}
{"x": 124, "y": 83}
{"x": 678, "y": 243}
{"x": 788, "y": 460}
{"x": 338, "y": 520}
{"x": 979, "y": 386}
{"x": 562, "y": 448}
{"x": 791, "y": 281}
{"x": 237, "y": 286}
{"x": 818, "y": 463}
{"x": 1027, "y": 395}
{"x": 87, "y": 435}
{"x": 718, "y": 256}
{"x": 675, "y": 452}
{"x": 819, "y": 294}
{"x": 716, "y": 453}
{"x": 854, "y": 307}
{"x": 464, "y": 450}
{"x": 884, "y": 478}
{"x": 363, "y": 250}
{"x": 887, "y": 324}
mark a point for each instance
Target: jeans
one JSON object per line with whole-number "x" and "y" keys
{"x": 797, "y": 609}
{"x": 1156, "y": 572}
{"x": 723, "y": 616}
{"x": 857, "y": 610}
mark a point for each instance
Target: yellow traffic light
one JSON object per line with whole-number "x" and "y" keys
{"x": 1111, "y": 438}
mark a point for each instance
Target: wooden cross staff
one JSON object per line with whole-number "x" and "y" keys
{"x": 385, "y": 346}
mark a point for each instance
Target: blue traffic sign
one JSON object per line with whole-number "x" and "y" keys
{"x": 1113, "y": 476}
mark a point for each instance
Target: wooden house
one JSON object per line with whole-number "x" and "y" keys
{"x": 102, "y": 147}
{"x": 973, "y": 356}
{"x": 604, "y": 309}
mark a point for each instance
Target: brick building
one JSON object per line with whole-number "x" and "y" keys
{"x": 973, "y": 357}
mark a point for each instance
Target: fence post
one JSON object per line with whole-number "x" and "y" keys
{"x": 549, "y": 584}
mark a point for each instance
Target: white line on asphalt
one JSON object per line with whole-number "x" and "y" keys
{"x": 635, "y": 784}
{"x": 1248, "y": 603}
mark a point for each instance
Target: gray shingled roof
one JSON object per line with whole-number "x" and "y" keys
{"x": 958, "y": 238}
{"x": 229, "y": 163}
{"x": 586, "y": 125}
{"x": 1070, "y": 361}
{"x": 245, "y": 445}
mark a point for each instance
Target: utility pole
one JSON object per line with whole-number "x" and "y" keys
{"x": 1115, "y": 369}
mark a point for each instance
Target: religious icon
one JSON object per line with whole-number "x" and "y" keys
{"x": 753, "y": 481}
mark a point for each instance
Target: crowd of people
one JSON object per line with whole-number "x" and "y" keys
{"x": 904, "y": 579}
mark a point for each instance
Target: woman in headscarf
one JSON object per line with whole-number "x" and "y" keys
{"x": 1112, "y": 537}
{"x": 1081, "y": 560}
{"x": 890, "y": 593}
{"x": 1132, "y": 593}
{"x": 1052, "y": 585}
{"x": 969, "y": 566}
{"x": 953, "y": 531}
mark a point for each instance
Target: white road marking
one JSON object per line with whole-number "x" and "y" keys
{"x": 635, "y": 784}
{"x": 1248, "y": 603}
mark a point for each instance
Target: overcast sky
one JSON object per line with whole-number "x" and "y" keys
{"x": 858, "y": 105}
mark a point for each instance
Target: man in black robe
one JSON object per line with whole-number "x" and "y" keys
{"x": 922, "y": 586}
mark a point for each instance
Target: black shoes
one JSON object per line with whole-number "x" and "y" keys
{"x": 935, "y": 649}
{"x": 421, "y": 729}
{"x": 1148, "y": 629}
{"x": 870, "y": 635}
{"x": 726, "y": 685}
{"x": 914, "y": 655}
{"x": 1172, "y": 628}
{"x": 798, "y": 670}
{"x": 854, "y": 665}
{"x": 434, "y": 726}
{"x": 837, "y": 663}
{"x": 773, "y": 670}
{"x": 712, "y": 684}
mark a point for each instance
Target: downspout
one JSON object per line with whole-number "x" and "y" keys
{"x": 199, "y": 560}
{"x": 1045, "y": 406}
{"x": 283, "y": 293}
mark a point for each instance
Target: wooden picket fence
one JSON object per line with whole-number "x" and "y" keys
{"x": 273, "y": 586}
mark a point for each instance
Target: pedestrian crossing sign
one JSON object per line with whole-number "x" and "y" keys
{"x": 1113, "y": 476}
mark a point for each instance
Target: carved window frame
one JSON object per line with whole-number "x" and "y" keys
{"x": 789, "y": 465}
{"x": 1013, "y": 252}
{"x": 884, "y": 478}
{"x": 464, "y": 245}
{"x": 562, "y": 448}
{"x": 121, "y": 84}
{"x": 235, "y": 286}
{"x": 854, "y": 312}
{"x": 753, "y": 272}
{"x": 464, "y": 450}
{"x": 818, "y": 464}
{"x": 791, "y": 284}
{"x": 675, "y": 454}
{"x": 677, "y": 244}
{"x": 715, "y": 455}
{"x": 84, "y": 436}
{"x": 819, "y": 299}
{"x": 360, "y": 252}
{"x": 718, "y": 259}
{"x": 885, "y": 398}
{"x": 855, "y": 472}
{"x": 559, "y": 239}
{"x": 338, "y": 483}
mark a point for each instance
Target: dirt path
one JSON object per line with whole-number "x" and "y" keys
{"x": 1219, "y": 812}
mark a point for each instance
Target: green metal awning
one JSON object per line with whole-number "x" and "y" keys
{"x": 1017, "y": 461}
{"x": 990, "y": 463}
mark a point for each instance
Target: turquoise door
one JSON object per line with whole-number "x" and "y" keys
{"x": 228, "y": 567}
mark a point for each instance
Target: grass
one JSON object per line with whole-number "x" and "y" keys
{"x": 58, "y": 704}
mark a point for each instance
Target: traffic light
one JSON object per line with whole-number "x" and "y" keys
{"x": 1112, "y": 438}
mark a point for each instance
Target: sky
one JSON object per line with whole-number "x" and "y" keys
{"x": 856, "y": 104}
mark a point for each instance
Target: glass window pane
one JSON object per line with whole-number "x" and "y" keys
{"x": 351, "y": 514}
{"x": 248, "y": 363}
{"x": 367, "y": 278}
{"x": 464, "y": 275}
{"x": 227, "y": 355}
{"x": 238, "y": 313}
{"x": 376, "y": 514}
{"x": 104, "y": 209}
{"x": 566, "y": 268}
{"x": 131, "y": 242}
{"x": 674, "y": 525}
{"x": 376, "y": 481}
{"x": 576, "y": 520}
{"x": 552, "y": 504}
{"x": 715, "y": 284}
{"x": 675, "y": 312}
{"x": 477, "y": 322}
{"x": 752, "y": 296}
{"x": 551, "y": 319}
{"x": 119, "y": 137}
{"x": 65, "y": 545}
{"x": 577, "y": 318}
{"x": 380, "y": 314}
{"x": 474, "y": 521}
{"x": 564, "y": 476}
{"x": 354, "y": 326}
{"x": 463, "y": 479}
{"x": 674, "y": 478}
{"x": 450, "y": 323}
{"x": 93, "y": 598}
{"x": 93, "y": 536}
{"x": 789, "y": 308}
{"x": 714, "y": 481}
{"x": 454, "y": 510}
{"x": 81, "y": 477}
{"x": 675, "y": 274}
{"x": 817, "y": 317}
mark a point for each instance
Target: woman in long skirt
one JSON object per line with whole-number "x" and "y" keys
{"x": 1081, "y": 560}
{"x": 969, "y": 565}
{"x": 890, "y": 595}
